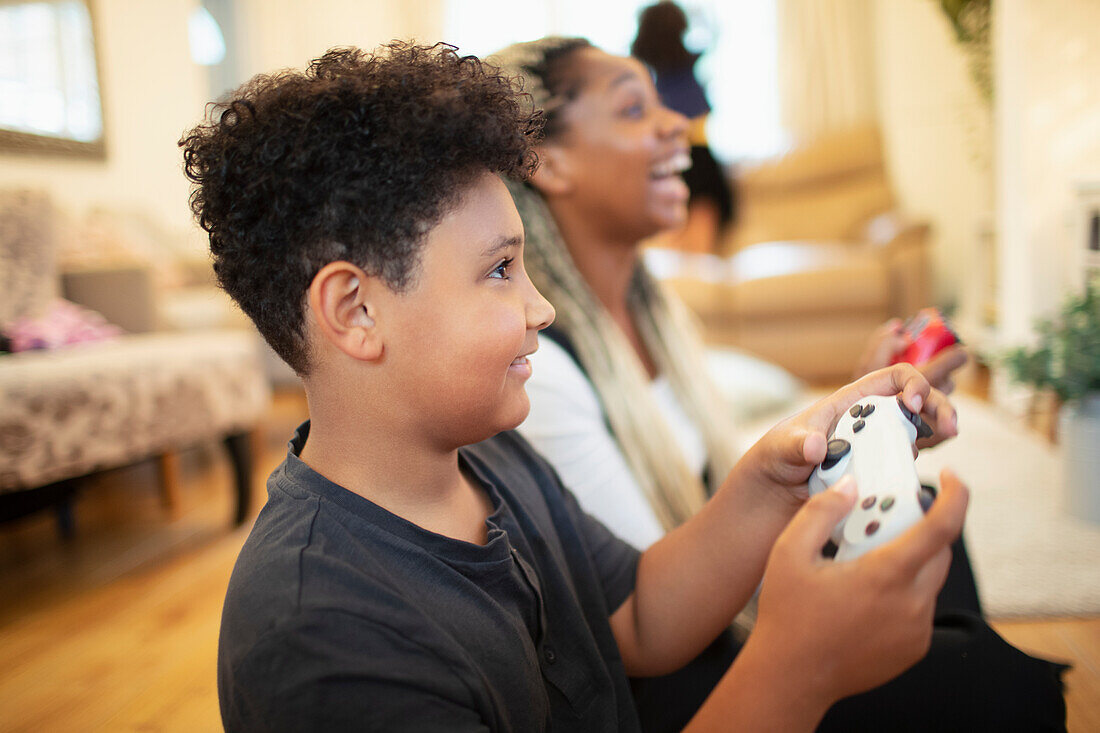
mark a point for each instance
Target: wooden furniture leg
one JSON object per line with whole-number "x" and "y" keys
{"x": 240, "y": 453}
{"x": 169, "y": 465}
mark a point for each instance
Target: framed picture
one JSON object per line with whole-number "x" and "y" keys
{"x": 50, "y": 92}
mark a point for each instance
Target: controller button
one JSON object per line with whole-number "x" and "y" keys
{"x": 868, "y": 502}
{"x": 867, "y": 410}
{"x": 887, "y": 503}
{"x": 857, "y": 426}
{"x": 854, "y": 412}
{"x": 836, "y": 449}
{"x": 872, "y": 527}
{"x": 905, "y": 410}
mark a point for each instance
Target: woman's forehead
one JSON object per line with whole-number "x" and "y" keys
{"x": 596, "y": 70}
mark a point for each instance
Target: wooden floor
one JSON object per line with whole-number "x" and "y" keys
{"x": 116, "y": 630}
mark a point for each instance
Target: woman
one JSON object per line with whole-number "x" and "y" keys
{"x": 621, "y": 402}
{"x": 621, "y": 399}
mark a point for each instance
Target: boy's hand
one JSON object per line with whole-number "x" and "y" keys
{"x": 783, "y": 459}
{"x": 850, "y": 626}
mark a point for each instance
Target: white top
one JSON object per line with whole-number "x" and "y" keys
{"x": 567, "y": 426}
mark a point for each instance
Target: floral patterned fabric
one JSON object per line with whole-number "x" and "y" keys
{"x": 70, "y": 411}
{"x": 28, "y": 252}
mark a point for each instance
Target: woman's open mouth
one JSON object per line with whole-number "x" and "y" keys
{"x": 671, "y": 166}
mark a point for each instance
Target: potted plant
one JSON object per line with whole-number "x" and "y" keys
{"x": 1066, "y": 361}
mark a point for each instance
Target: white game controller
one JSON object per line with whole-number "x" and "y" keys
{"x": 873, "y": 443}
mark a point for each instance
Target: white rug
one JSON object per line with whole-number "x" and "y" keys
{"x": 1030, "y": 557}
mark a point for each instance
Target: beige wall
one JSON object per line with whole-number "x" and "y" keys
{"x": 938, "y": 141}
{"x": 1048, "y": 140}
{"x": 152, "y": 92}
{"x": 1011, "y": 170}
{"x": 284, "y": 33}
{"x": 935, "y": 130}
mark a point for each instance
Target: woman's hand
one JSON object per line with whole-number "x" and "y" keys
{"x": 889, "y": 339}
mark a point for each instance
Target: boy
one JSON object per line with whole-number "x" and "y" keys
{"x": 417, "y": 566}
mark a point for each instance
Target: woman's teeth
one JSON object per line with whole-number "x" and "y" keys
{"x": 671, "y": 166}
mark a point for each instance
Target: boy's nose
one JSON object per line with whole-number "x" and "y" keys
{"x": 540, "y": 313}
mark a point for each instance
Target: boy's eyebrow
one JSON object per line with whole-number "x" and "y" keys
{"x": 503, "y": 243}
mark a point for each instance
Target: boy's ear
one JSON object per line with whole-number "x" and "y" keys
{"x": 553, "y": 177}
{"x": 340, "y": 298}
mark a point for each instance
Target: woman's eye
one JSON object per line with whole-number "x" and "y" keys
{"x": 633, "y": 110}
{"x": 502, "y": 269}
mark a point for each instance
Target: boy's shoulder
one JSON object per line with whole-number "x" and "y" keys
{"x": 316, "y": 547}
{"x": 330, "y": 586}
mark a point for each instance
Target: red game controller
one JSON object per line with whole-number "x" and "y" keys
{"x": 927, "y": 333}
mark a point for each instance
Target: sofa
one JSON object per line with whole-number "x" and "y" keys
{"x": 147, "y": 393}
{"x": 818, "y": 258}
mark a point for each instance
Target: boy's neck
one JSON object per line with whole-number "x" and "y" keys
{"x": 396, "y": 471}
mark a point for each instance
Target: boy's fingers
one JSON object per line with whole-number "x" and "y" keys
{"x": 938, "y": 529}
{"x": 810, "y": 528}
{"x": 943, "y": 418}
{"x": 903, "y": 378}
{"x": 797, "y": 446}
{"x": 814, "y": 447}
{"x": 933, "y": 575}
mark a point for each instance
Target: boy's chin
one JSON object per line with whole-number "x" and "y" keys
{"x": 514, "y": 420}
{"x": 499, "y": 423}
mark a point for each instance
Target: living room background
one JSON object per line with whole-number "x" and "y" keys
{"x": 1007, "y": 177}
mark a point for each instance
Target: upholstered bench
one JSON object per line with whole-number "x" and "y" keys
{"x": 72, "y": 411}
{"x": 68, "y": 411}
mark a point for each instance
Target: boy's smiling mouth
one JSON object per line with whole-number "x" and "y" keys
{"x": 521, "y": 365}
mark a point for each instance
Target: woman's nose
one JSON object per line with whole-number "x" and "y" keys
{"x": 673, "y": 124}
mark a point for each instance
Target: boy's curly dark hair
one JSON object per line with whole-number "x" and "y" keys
{"x": 355, "y": 159}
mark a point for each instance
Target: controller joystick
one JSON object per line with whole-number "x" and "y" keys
{"x": 873, "y": 442}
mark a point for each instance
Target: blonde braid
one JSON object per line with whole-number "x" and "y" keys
{"x": 671, "y": 488}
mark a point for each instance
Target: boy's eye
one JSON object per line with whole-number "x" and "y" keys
{"x": 502, "y": 269}
{"x": 633, "y": 110}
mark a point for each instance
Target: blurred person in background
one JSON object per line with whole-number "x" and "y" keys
{"x": 659, "y": 44}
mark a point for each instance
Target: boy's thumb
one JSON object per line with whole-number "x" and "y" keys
{"x": 811, "y": 527}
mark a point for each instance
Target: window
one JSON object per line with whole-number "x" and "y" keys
{"x": 49, "y": 88}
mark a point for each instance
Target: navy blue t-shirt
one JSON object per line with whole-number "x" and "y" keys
{"x": 343, "y": 616}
